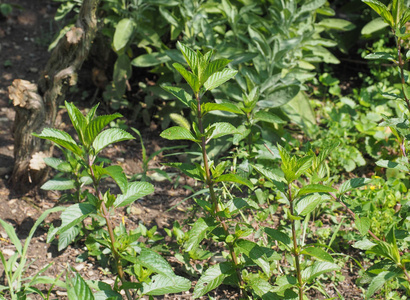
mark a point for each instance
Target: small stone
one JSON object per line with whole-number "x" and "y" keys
{"x": 61, "y": 293}
{"x": 79, "y": 267}
{"x": 136, "y": 210}
{"x": 8, "y": 252}
{"x": 49, "y": 255}
{"x": 108, "y": 281}
{"x": 33, "y": 70}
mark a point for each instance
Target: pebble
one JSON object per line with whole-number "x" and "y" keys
{"x": 136, "y": 210}
{"x": 108, "y": 281}
{"x": 79, "y": 267}
{"x": 8, "y": 252}
{"x": 61, "y": 293}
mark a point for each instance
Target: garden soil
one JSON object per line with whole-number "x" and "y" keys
{"x": 24, "y": 37}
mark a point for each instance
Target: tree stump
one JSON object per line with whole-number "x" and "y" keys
{"x": 36, "y": 107}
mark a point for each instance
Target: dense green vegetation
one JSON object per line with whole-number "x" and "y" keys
{"x": 301, "y": 160}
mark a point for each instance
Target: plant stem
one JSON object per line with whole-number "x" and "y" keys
{"x": 106, "y": 216}
{"x": 215, "y": 207}
{"x": 295, "y": 246}
{"x": 401, "y": 67}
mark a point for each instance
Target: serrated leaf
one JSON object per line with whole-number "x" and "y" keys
{"x": 378, "y": 282}
{"x": 219, "y": 78}
{"x": 190, "y": 78}
{"x": 11, "y": 233}
{"x": 67, "y": 236}
{"x": 77, "y": 119}
{"x": 58, "y": 185}
{"x": 268, "y": 117}
{"x": 190, "y": 56}
{"x": 77, "y": 288}
{"x": 107, "y": 295}
{"x": 362, "y": 224}
{"x": 188, "y": 169}
{"x": 315, "y": 188}
{"x": 309, "y": 203}
{"x": 388, "y": 164}
{"x": 61, "y": 138}
{"x": 150, "y": 60}
{"x": 110, "y": 136}
{"x": 117, "y": 173}
{"x": 123, "y": 33}
{"x": 135, "y": 191}
{"x": 380, "y": 55}
{"x": 155, "y": 262}
{"x": 57, "y": 164}
{"x": 364, "y": 244}
{"x": 279, "y": 96}
{"x": 234, "y": 178}
{"x": 96, "y": 125}
{"x": 374, "y": 26}
{"x": 178, "y": 133}
{"x": 229, "y": 107}
{"x": 255, "y": 253}
{"x": 161, "y": 285}
{"x": 317, "y": 269}
{"x": 381, "y": 10}
{"x": 213, "y": 67}
{"x": 70, "y": 217}
{"x": 279, "y": 236}
{"x": 198, "y": 232}
{"x": 353, "y": 184}
{"x": 212, "y": 278}
{"x": 262, "y": 288}
{"x": 179, "y": 93}
{"x": 318, "y": 253}
{"x": 220, "y": 129}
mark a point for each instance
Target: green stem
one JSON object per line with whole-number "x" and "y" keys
{"x": 215, "y": 207}
{"x": 295, "y": 246}
{"x": 401, "y": 67}
{"x": 110, "y": 227}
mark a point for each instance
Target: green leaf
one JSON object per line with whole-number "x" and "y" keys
{"x": 364, "y": 244}
{"x": 391, "y": 165}
{"x": 318, "y": 268}
{"x": 11, "y": 233}
{"x": 337, "y": 24}
{"x": 362, "y": 224}
{"x": 262, "y": 288}
{"x": 255, "y": 253}
{"x": 150, "y": 60}
{"x": 96, "y": 125}
{"x": 309, "y": 203}
{"x": 198, "y": 232}
{"x": 353, "y": 184}
{"x": 123, "y": 33}
{"x": 188, "y": 169}
{"x": 268, "y": 117}
{"x": 213, "y": 67}
{"x": 212, "y": 278}
{"x": 70, "y": 217}
{"x": 219, "y": 78}
{"x": 110, "y": 136}
{"x": 234, "y": 178}
{"x": 315, "y": 188}
{"x": 190, "y": 78}
{"x": 220, "y": 129}
{"x": 61, "y": 138}
{"x": 58, "y": 164}
{"x": 381, "y": 10}
{"x": 58, "y": 185}
{"x": 77, "y": 288}
{"x": 77, "y": 119}
{"x": 374, "y": 26}
{"x": 161, "y": 285}
{"x": 279, "y": 236}
{"x": 380, "y": 55}
{"x": 117, "y": 173}
{"x": 279, "y": 96}
{"x": 179, "y": 93}
{"x": 318, "y": 253}
{"x": 378, "y": 282}
{"x": 67, "y": 236}
{"x": 155, "y": 262}
{"x": 229, "y": 107}
{"x": 178, "y": 133}
{"x": 135, "y": 191}
{"x": 190, "y": 56}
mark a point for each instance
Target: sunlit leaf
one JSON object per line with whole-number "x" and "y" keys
{"x": 212, "y": 278}
{"x": 108, "y": 137}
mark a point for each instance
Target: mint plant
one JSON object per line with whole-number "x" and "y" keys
{"x": 123, "y": 245}
{"x": 205, "y": 75}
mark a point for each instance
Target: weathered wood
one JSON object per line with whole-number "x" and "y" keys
{"x": 36, "y": 110}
